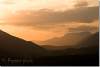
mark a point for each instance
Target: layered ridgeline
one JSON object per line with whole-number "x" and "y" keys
{"x": 87, "y": 45}
{"x": 11, "y": 46}
{"x": 68, "y": 40}
{"x": 83, "y": 53}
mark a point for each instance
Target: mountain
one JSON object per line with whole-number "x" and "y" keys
{"x": 84, "y": 53}
{"x": 11, "y": 46}
{"x": 90, "y": 45}
{"x": 17, "y": 51}
{"x": 87, "y": 46}
{"x": 67, "y": 40}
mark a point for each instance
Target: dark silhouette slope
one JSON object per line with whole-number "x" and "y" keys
{"x": 13, "y": 46}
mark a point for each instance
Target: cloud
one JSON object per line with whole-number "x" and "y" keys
{"x": 84, "y": 28}
{"x": 6, "y": 2}
{"x": 81, "y": 3}
{"x": 47, "y": 17}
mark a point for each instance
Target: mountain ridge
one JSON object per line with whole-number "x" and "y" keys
{"x": 13, "y": 46}
{"x": 68, "y": 40}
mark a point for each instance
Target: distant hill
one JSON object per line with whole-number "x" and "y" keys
{"x": 70, "y": 39}
{"x": 90, "y": 45}
{"x": 13, "y": 46}
{"x": 84, "y": 53}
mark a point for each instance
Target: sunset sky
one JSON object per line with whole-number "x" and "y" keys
{"x": 40, "y": 20}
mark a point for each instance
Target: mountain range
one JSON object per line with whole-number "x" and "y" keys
{"x": 68, "y": 40}
{"x": 89, "y": 45}
{"x": 84, "y": 52}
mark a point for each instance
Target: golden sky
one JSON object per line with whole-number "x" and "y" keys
{"x": 40, "y": 20}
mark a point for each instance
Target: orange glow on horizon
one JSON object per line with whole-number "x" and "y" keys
{"x": 29, "y": 34}
{"x": 32, "y": 34}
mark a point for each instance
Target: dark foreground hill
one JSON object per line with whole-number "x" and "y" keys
{"x": 12, "y": 46}
{"x": 16, "y": 51}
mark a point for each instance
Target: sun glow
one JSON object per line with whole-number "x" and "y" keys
{"x": 3, "y": 10}
{"x": 29, "y": 34}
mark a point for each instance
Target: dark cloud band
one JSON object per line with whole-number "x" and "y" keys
{"x": 48, "y": 18}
